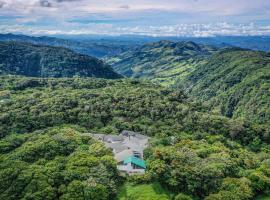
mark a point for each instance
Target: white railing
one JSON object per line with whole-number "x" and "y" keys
{"x": 129, "y": 169}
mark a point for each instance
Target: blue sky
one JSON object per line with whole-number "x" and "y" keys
{"x": 142, "y": 17}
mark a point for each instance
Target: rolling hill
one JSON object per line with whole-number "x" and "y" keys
{"x": 163, "y": 62}
{"x": 27, "y": 59}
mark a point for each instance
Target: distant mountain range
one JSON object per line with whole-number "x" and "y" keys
{"x": 261, "y": 43}
{"x": 250, "y": 42}
{"x": 103, "y": 46}
{"x": 27, "y": 59}
{"x": 97, "y": 48}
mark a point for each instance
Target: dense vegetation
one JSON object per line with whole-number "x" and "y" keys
{"x": 193, "y": 153}
{"x": 29, "y": 104}
{"x": 235, "y": 82}
{"x": 264, "y": 197}
{"x": 43, "y": 61}
{"x": 210, "y": 167}
{"x": 163, "y": 62}
{"x": 56, "y": 163}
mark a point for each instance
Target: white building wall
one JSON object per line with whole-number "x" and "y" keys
{"x": 129, "y": 169}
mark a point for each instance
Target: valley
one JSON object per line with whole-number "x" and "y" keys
{"x": 163, "y": 62}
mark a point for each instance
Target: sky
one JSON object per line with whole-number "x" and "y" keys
{"x": 198, "y": 18}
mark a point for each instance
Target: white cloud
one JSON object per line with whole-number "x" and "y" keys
{"x": 187, "y": 30}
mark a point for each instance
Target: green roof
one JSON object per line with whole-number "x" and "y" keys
{"x": 136, "y": 161}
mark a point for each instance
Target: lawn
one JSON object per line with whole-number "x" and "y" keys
{"x": 152, "y": 191}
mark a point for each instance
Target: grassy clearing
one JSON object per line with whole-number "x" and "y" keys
{"x": 152, "y": 191}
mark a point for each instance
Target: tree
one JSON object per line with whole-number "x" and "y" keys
{"x": 233, "y": 189}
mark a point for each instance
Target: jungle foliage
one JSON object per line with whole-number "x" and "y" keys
{"x": 56, "y": 163}
{"x": 193, "y": 153}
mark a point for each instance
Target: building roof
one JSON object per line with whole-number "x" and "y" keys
{"x": 113, "y": 138}
{"x": 123, "y": 155}
{"x": 134, "y": 134}
{"x": 116, "y": 147}
{"x": 136, "y": 161}
{"x": 134, "y": 146}
{"x": 127, "y": 133}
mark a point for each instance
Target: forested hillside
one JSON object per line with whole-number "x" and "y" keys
{"x": 163, "y": 62}
{"x": 43, "y": 61}
{"x": 45, "y": 153}
{"x": 235, "y": 82}
{"x": 29, "y": 104}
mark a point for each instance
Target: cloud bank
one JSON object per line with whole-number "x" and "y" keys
{"x": 142, "y": 17}
{"x": 181, "y": 30}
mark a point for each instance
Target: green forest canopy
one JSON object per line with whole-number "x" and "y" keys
{"x": 44, "y": 153}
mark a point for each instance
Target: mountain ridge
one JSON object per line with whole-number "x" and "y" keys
{"x": 21, "y": 58}
{"x": 96, "y": 48}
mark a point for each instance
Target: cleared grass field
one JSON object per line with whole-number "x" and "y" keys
{"x": 152, "y": 191}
